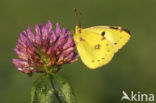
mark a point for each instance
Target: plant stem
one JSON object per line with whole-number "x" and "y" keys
{"x": 58, "y": 98}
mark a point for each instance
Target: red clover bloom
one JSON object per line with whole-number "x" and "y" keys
{"x": 46, "y": 50}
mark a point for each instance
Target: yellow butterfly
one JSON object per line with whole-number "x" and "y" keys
{"x": 97, "y": 45}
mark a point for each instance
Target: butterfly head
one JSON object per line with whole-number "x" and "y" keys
{"x": 78, "y": 29}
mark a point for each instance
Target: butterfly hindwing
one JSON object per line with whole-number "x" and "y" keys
{"x": 94, "y": 49}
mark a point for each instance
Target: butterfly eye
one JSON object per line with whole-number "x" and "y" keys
{"x": 103, "y": 33}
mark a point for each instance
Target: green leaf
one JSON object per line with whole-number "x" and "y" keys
{"x": 64, "y": 92}
{"x": 42, "y": 90}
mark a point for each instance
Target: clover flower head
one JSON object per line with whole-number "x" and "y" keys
{"x": 45, "y": 49}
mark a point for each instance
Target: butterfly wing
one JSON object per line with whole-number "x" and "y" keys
{"x": 94, "y": 50}
{"x": 118, "y": 36}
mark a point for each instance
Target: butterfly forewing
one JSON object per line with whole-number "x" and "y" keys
{"x": 118, "y": 36}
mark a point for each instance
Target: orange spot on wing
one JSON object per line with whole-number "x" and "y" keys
{"x": 81, "y": 39}
{"x": 97, "y": 46}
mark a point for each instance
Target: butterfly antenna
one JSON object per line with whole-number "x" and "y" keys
{"x": 80, "y": 16}
{"x": 77, "y": 15}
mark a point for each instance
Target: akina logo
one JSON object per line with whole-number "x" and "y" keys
{"x": 137, "y": 96}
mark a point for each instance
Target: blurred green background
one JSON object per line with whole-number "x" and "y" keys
{"x": 132, "y": 69}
